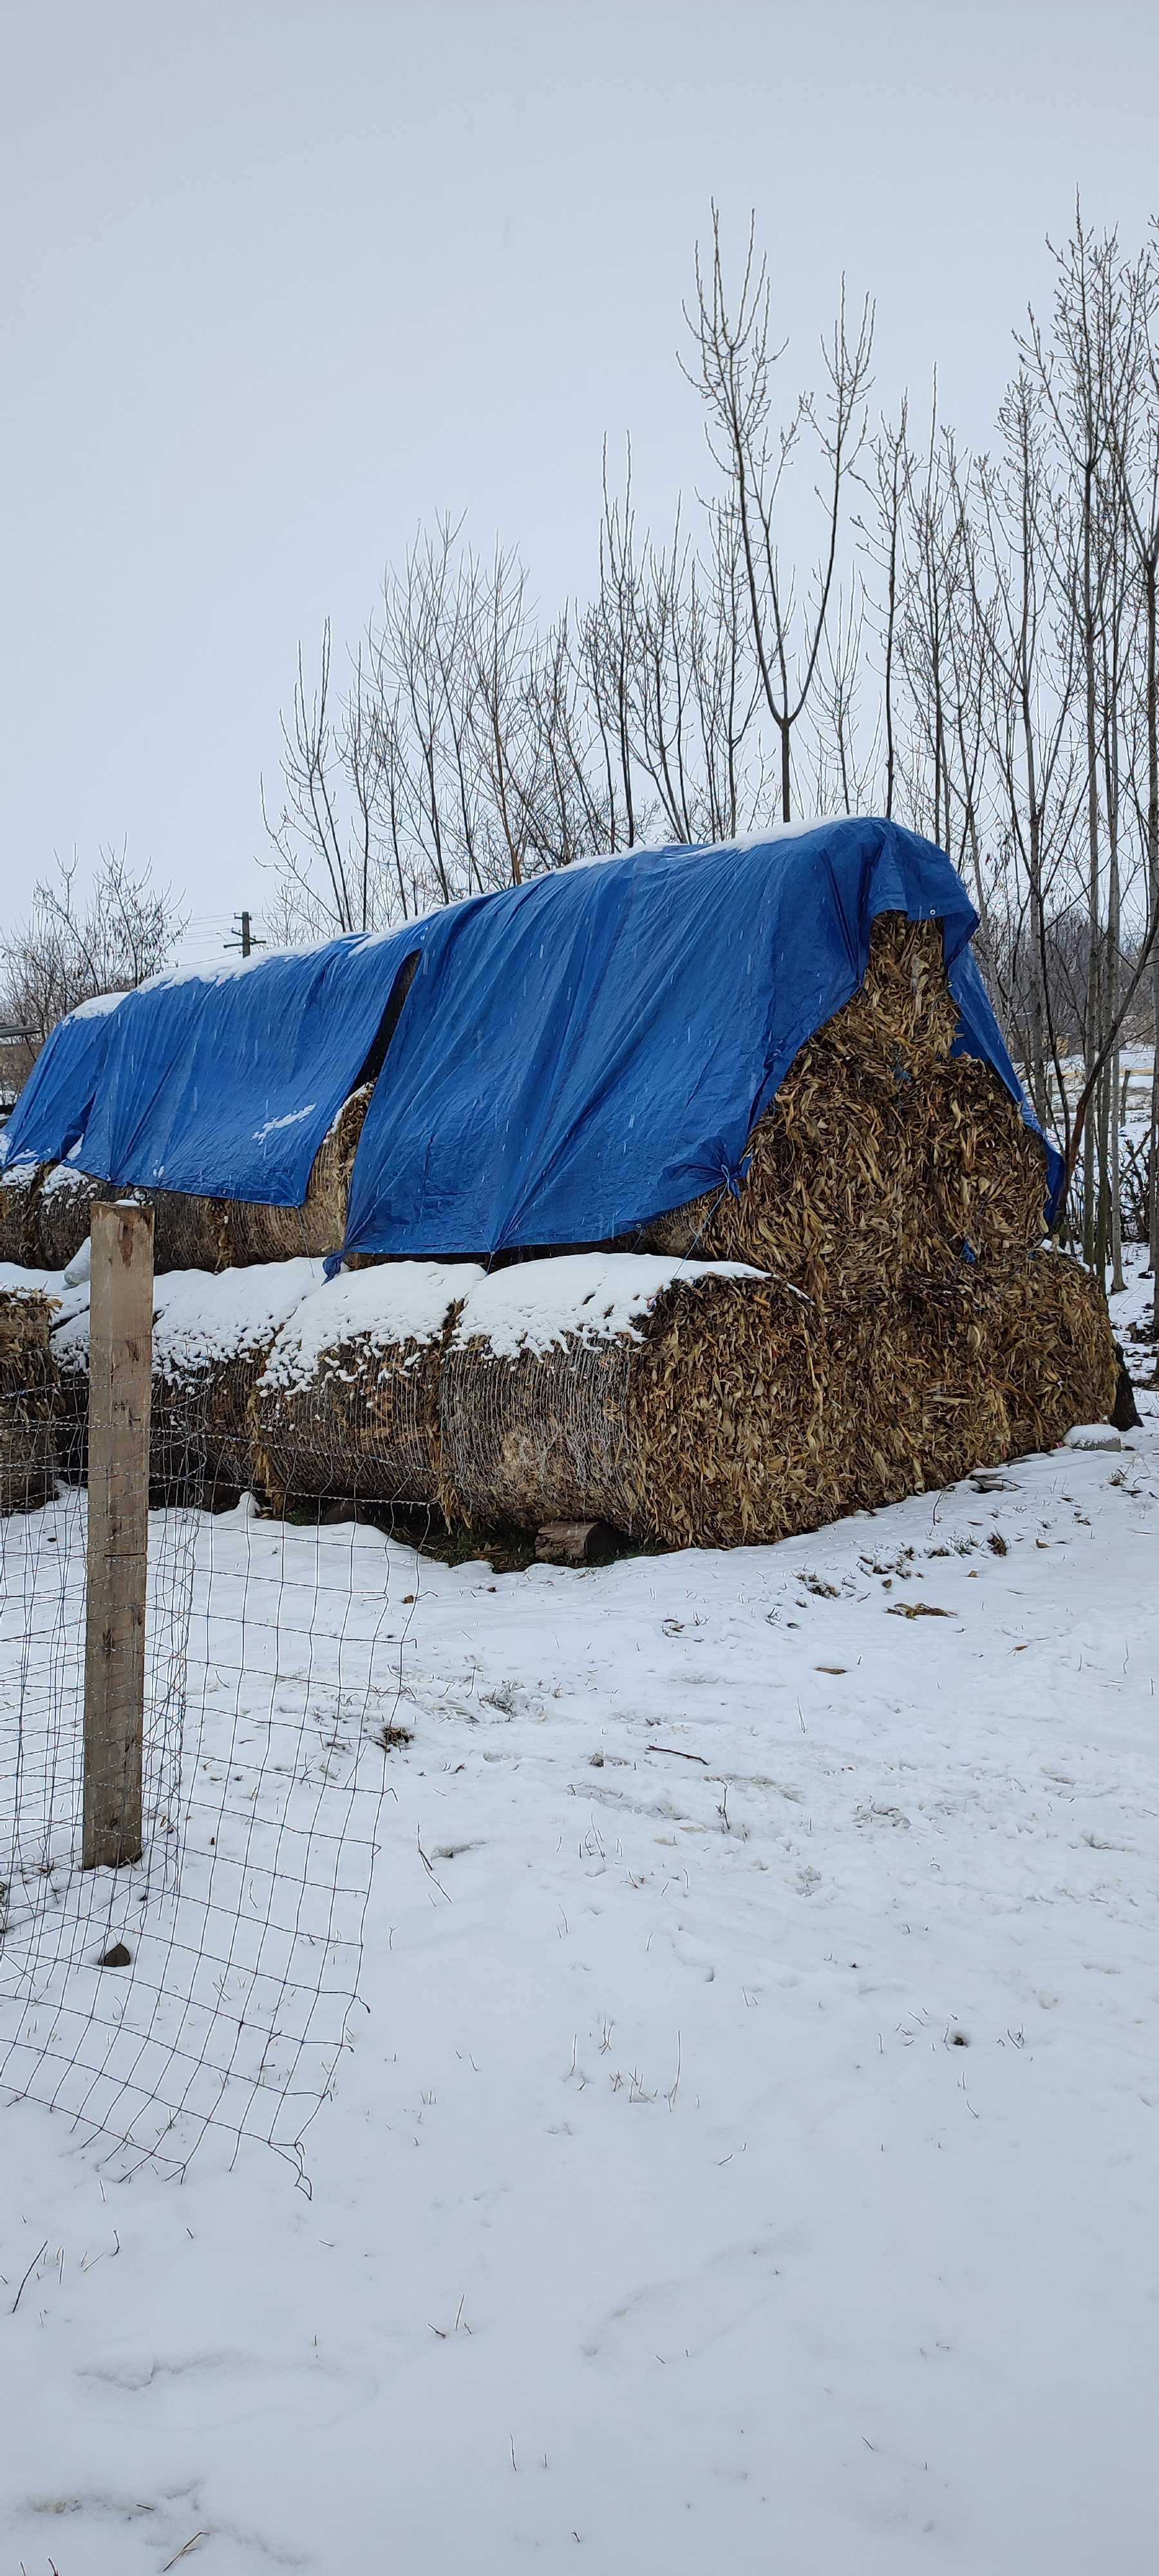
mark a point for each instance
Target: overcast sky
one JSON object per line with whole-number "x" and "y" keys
{"x": 281, "y": 280}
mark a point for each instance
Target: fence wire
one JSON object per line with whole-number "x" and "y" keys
{"x": 208, "y": 1987}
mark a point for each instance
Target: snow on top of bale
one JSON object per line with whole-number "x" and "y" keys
{"x": 16, "y": 1281}
{"x": 584, "y": 1296}
{"x": 200, "y": 1317}
{"x": 203, "y": 1316}
{"x": 401, "y": 1301}
{"x": 65, "y": 1176}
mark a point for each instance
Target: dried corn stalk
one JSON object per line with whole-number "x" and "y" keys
{"x": 881, "y": 1157}
{"x": 19, "y": 1192}
{"x": 27, "y": 1446}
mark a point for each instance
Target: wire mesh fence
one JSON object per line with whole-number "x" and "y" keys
{"x": 209, "y": 1986}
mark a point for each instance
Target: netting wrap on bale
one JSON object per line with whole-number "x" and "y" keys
{"x": 686, "y": 1404}
{"x": 70, "y": 1357}
{"x": 27, "y": 1443}
{"x": 212, "y": 1337}
{"x": 348, "y": 1403}
{"x": 882, "y": 1157}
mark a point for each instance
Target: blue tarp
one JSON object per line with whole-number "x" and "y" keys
{"x": 223, "y": 1083}
{"x": 53, "y": 1109}
{"x": 583, "y": 1052}
{"x": 574, "y": 1055}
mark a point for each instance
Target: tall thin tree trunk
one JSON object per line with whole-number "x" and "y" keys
{"x": 1152, "y": 616}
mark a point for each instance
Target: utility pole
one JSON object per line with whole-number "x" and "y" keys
{"x": 246, "y": 941}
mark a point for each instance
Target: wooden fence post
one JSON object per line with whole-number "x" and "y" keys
{"x": 120, "y": 1387}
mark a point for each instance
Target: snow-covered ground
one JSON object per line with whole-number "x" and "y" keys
{"x": 746, "y": 2155}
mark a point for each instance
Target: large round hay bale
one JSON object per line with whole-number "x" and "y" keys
{"x": 212, "y": 1335}
{"x": 985, "y": 1177}
{"x": 686, "y": 1405}
{"x": 881, "y": 1156}
{"x": 188, "y": 1233}
{"x": 27, "y": 1443}
{"x": 64, "y": 1212}
{"x": 934, "y": 1407}
{"x": 830, "y": 1195}
{"x": 348, "y": 1402}
{"x": 1053, "y": 1350}
{"x": 318, "y": 1227}
{"x": 19, "y": 1192}
{"x": 991, "y": 1364}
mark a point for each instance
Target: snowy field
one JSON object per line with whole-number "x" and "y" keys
{"x": 745, "y": 2153}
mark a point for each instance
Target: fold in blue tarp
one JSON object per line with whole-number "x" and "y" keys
{"x": 574, "y": 1055}
{"x": 222, "y": 1082}
{"x": 583, "y": 1052}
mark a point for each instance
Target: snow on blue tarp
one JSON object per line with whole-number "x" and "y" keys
{"x": 53, "y": 1109}
{"x": 222, "y": 1081}
{"x": 584, "y": 1051}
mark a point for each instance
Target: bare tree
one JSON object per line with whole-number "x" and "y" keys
{"x": 974, "y": 650}
{"x": 1131, "y": 419}
{"x": 73, "y": 946}
{"x": 733, "y": 366}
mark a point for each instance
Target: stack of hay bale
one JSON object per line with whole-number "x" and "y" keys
{"x": 872, "y": 1314}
